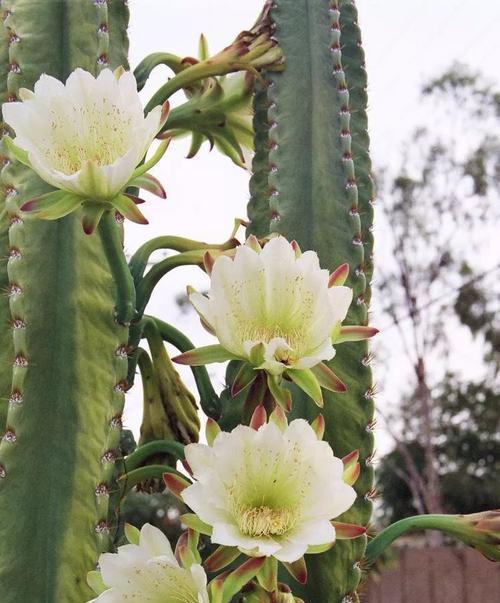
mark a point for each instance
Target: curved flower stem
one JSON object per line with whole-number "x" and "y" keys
{"x": 109, "y": 232}
{"x": 142, "y": 453}
{"x": 139, "y": 260}
{"x": 209, "y": 400}
{"x": 146, "y": 285}
{"x": 443, "y": 523}
{"x": 129, "y": 480}
{"x": 146, "y": 66}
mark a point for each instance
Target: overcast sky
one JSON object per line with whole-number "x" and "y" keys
{"x": 405, "y": 43}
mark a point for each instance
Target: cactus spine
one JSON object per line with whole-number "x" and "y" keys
{"x": 69, "y": 362}
{"x": 312, "y": 183}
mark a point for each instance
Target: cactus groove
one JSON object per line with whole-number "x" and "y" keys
{"x": 311, "y": 183}
{"x": 63, "y": 423}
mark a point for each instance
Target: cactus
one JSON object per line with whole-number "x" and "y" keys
{"x": 63, "y": 421}
{"x": 312, "y": 183}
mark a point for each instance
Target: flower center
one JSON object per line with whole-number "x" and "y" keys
{"x": 266, "y": 521}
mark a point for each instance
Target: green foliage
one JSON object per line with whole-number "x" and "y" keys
{"x": 63, "y": 422}
{"x": 311, "y": 140}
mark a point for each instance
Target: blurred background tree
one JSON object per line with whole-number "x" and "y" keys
{"x": 439, "y": 294}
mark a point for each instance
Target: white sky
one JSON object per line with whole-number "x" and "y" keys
{"x": 405, "y": 43}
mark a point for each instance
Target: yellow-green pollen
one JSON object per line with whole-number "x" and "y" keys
{"x": 266, "y": 521}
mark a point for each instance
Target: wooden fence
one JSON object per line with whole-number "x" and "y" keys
{"x": 442, "y": 575}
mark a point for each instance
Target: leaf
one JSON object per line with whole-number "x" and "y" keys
{"x": 204, "y": 355}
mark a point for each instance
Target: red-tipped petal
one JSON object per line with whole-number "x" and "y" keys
{"x": 259, "y": 417}
{"x": 352, "y": 468}
{"x": 253, "y": 243}
{"x": 165, "y": 110}
{"x": 347, "y": 531}
{"x": 350, "y": 459}
{"x": 204, "y": 355}
{"x": 137, "y": 200}
{"x": 149, "y": 183}
{"x": 175, "y": 483}
{"x": 237, "y": 579}
{"x": 339, "y": 276}
{"x": 245, "y": 377}
{"x": 318, "y": 426}
{"x": 355, "y": 333}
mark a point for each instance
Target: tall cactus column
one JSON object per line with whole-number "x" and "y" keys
{"x": 63, "y": 421}
{"x": 311, "y": 183}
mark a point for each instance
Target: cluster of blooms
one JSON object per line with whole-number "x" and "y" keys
{"x": 269, "y": 491}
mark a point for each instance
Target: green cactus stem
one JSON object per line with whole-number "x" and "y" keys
{"x": 70, "y": 355}
{"x": 311, "y": 141}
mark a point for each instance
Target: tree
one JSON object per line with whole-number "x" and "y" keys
{"x": 439, "y": 294}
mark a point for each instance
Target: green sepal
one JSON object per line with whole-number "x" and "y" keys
{"x": 147, "y": 165}
{"x": 20, "y": 154}
{"x": 149, "y": 183}
{"x": 267, "y": 576}
{"x": 53, "y": 205}
{"x": 205, "y": 355}
{"x": 132, "y": 534}
{"x": 221, "y": 558}
{"x": 245, "y": 377}
{"x": 96, "y": 583}
{"x": 298, "y": 569}
{"x": 316, "y": 549}
{"x": 354, "y": 333}
{"x": 212, "y": 430}
{"x": 195, "y": 523}
{"x": 128, "y": 209}
{"x": 91, "y": 216}
{"x": 281, "y": 395}
{"x": 328, "y": 379}
{"x": 237, "y": 579}
{"x": 307, "y": 382}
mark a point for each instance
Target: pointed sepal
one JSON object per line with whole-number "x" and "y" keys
{"x": 212, "y": 430}
{"x": 237, "y": 579}
{"x": 259, "y": 417}
{"x": 318, "y": 426}
{"x": 354, "y": 333}
{"x": 298, "y": 570}
{"x": 204, "y": 355}
{"x": 195, "y": 523}
{"x": 347, "y": 531}
{"x": 128, "y": 209}
{"x": 328, "y": 379}
{"x": 149, "y": 183}
{"x": 186, "y": 550}
{"x": 176, "y": 484}
{"x": 352, "y": 468}
{"x": 52, "y": 206}
{"x": 132, "y": 534}
{"x": 20, "y": 154}
{"x": 339, "y": 276}
{"x": 317, "y": 549}
{"x": 281, "y": 395}
{"x": 305, "y": 379}
{"x": 278, "y": 417}
{"x": 221, "y": 558}
{"x": 91, "y": 216}
{"x": 244, "y": 378}
{"x": 267, "y": 576}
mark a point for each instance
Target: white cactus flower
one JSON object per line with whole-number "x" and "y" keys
{"x": 269, "y": 492}
{"x": 86, "y": 138}
{"x": 275, "y": 308}
{"x": 150, "y": 572}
